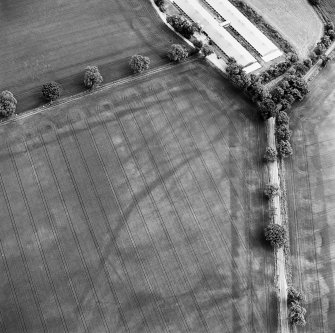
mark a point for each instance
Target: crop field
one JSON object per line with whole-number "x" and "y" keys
{"x": 137, "y": 209}
{"x": 294, "y": 19}
{"x": 56, "y": 39}
{"x": 311, "y": 198}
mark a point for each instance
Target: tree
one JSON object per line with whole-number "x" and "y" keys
{"x": 297, "y": 314}
{"x": 256, "y": 91}
{"x": 275, "y": 234}
{"x": 267, "y": 108}
{"x": 139, "y": 63}
{"x": 292, "y": 57}
{"x": 308, "y": 63}
{"x": 51, "y": 91}
{"x": 92, "y": 77}
{"x": 294, "y": 295}
{"x": 160, "y": 3}
{"x": 277, "y": 94}
{"x": 270, "y": 154}
{"x": 285, "y": 105}
{"x": 7, "y": 103}
{"x": 284, "y": 149}
{"x": 271, "y": 190}
{"x": 206, "y": 50}
{"x": 282, "y": 118}
{"x": 198, "y": 44}
{"x": 177, "y": 53}
{"x": 182, "y": 25}
{"x": 331, "y": 34}
{"x": 290, "y": 99}
{"x": 315, "y": 2}
{"x": 283, "y": 132}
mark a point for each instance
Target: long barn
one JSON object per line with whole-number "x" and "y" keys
{"x": 222, "y": 38}
{"x": 246, "y": 29}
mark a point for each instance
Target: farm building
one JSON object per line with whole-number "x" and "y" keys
{"x": 222, "y": 38}
{"x": 246, "y": 29}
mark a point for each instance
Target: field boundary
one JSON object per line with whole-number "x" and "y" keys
{"x": 101, "y": 88}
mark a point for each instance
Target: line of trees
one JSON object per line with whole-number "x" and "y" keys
{"x": 296, "y": 311}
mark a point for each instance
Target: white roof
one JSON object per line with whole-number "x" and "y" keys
{"x": 243, "y": 26}
{"x": 223, "y": 39}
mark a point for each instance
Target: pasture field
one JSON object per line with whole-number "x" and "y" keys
{"x": 294, "y": 19}
{"x": 56, "y": 39}
{"x": 137, "y": 209}
{"x": 311, "y": 197}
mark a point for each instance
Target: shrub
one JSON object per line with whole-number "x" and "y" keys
{"x": 270, "y": 154}
{"x": 206, "y": 50}
{"x": 283, "y": 132}
{"x": 51, "y": 91}
{"x": 275, "y": 234}
{"x": 282, "y": 118}
{"x": 308, "y": 63}
{"x": 329, "y": 25}
{"x": 7, "y": 103}
{"x": 197, "y": 27}
{"x": 139, "y": 63}
{"x": 271, "y": 190}
{"x": 292, "y": 57}
{"x": 198, "y": 44}
{"x": 314, "y": 57}
{"x": 325, "y": 40}
{"x": 160, "y": 3}
{"x": 177, "y": 53}
{"x": 284, "y": 149}
{"x": 182, "y": 25}
{"x": 331, "y": 34}
{"x": 325, "y": 60}
{"x": 297, "y": 314}
{"x": 294, "y": 295}
{"x": 92, "y": 77}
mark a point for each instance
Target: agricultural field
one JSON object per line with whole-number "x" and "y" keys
{"x": 56, "y": 39}
{"x": 296, "y": 20}
{"x": 137, "y": 209}
{"x": 311, "y": 198}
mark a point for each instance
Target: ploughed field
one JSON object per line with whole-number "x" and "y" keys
{"x": 56, "y": 39}
{"x": 296, "y": 20}
{"x": 311, "y": 201}
{"x": 137, "y": 209}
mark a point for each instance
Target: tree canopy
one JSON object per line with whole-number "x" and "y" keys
{"x": 7, "y": 103}
{"x": 92, "y": 77}
{"x": 51, "y": 91}
{"x": 139, "y": 63}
